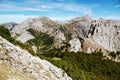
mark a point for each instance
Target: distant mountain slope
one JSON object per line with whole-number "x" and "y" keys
{"x": 9, "y": 25}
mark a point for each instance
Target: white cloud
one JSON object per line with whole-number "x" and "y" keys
{"x": 52, "y": 8}
{"x": 47, "y": 7}
{"x": 82, "y": 9}
{"x": 32, "y": 1}
{"x": 117, "y": 6}
{"x": 21, "y": 17}
{"x": 62, "y": 18}
{"x": 15, "y": 18}
{"x": 61, "y": 0}
{"x": 112, "y": 17}
{"x": 9, "y": 7}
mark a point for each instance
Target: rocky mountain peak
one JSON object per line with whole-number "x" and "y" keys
{"x": 83, "y": 18}
{"x": 44, "y": 19}
{"x": 87, "y": 17}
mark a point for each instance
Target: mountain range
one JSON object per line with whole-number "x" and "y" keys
{"x": 39, "y": 35}
{"x": 96, "y": 35}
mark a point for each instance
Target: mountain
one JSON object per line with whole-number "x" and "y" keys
{"x": 104, "y": 34}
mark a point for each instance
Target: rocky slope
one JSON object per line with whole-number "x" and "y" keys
{"x": 10, "y": 25}
{"x": 18, "y": 64}
{"x": 104, "y": 34}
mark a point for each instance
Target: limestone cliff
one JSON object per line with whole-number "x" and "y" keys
{"x": 106, "y": 33}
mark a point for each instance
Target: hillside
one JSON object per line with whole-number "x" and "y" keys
{"x": 21, "y": 63}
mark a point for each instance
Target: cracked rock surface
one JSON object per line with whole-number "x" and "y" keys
{"x": 24, "y": 62}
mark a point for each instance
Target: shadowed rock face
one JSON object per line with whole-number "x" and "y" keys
{"x": 25, "y": 63}
{"x": 10, "y": 25}
{"x": 105, "y": 33}
{"x": 80, "y": 25}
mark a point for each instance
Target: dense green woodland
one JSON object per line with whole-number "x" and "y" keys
{"x": 82, "y": 66}
{"x": 79, "y": 66}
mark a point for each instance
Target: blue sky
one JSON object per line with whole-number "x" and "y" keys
{"x": 20, "y": 10}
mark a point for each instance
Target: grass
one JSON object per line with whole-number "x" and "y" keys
{"x": 7, "y": 73}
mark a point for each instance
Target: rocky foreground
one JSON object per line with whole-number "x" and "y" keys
{"x": 18, "y": 64}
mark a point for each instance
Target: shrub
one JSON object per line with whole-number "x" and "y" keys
{"x": 113, "y": 54}
{"x": 4, "y": 32}
{"x": 66, "y": 33}
{"x": 40, "y": 38}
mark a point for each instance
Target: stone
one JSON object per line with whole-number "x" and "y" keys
{"x": 25, "y": 63}
{"x": 75, "y": 45}
{"x": 24, "y": 37}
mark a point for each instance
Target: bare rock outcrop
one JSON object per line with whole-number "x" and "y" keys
{"x": 24, "y": 37}
{"x": 75, "y": 45}
{"x": 25, "y": 63}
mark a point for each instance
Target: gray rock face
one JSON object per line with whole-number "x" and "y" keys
{"x": 24, "y": 37}
{"x": 106, "y": 33}
{"x": 34, "y": 48}
{"x": 24, "y": 62}
{"x": 80, "y": 25}
{"x": 75, "y": 45}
